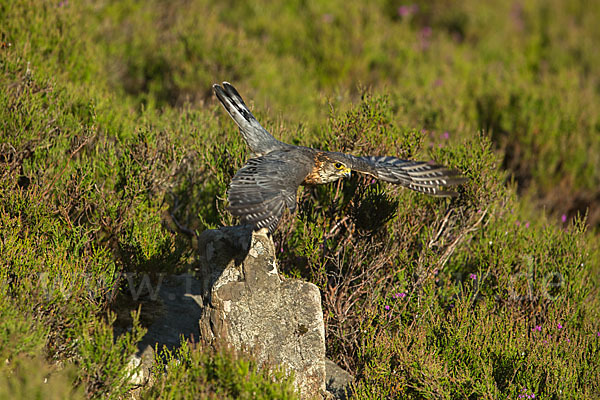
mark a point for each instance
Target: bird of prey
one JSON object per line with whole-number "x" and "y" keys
{"x": 262, "y": 189}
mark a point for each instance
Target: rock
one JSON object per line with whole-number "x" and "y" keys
{"x": 238, "y": 299}
{"x": 180, "y": 308}
{"x": 139, "y": 366}
{"x": 180, "y": 298}
{"x": 247, "y": 305}
{"x": 338, "y": 380}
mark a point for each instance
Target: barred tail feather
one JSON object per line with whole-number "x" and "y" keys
{"x": 258, "y": 139}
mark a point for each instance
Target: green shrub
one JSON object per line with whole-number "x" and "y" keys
{"x": 30, "y": 378}
{"x": 193, "y": 372}
{"x": 109, "y": 133}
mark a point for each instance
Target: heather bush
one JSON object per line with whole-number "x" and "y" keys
{"x": 114, "y": 155}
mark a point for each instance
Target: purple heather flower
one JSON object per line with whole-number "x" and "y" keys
{"x": 426, "y": 31}
{"x": 473, "y": 276}
{"x": 560, "y": 326}
{"x": 527, "y": 224}
{"x": 524, "y": 395}
{"x": 446, "y": 135}
{"x": 517, "y": 223}
{"x": 400, "y": 295}
{"x": 387, "y": 308}
{"x": 563, "y": 218}
{"x": 537, "y": 328}
{"x": 408, "y": 10}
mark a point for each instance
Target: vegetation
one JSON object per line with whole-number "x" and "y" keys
{"x": 108, "y": 127}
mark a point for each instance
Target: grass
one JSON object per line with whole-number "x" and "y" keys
{"x": 108, "y": 127}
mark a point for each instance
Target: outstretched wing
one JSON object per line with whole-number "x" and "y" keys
{"x": 416, "y": 175}
{"x": 258, "y": 139}
{"x": 261, "y": 189}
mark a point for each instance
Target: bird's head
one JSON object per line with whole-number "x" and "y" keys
{"x": 331, "y": 169}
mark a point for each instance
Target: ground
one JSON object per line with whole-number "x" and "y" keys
{"x": 111, "y": 142}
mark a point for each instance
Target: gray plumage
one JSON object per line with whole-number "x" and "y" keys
{"x": 258, "y": 139}
{"x": 262, "y": 189}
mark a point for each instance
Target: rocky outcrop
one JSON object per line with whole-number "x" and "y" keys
{"x": 176, "y": 309}
{"x": 249, "y": 306}
{"x": 337, "y": 381}
{"x": 237, "y": 298}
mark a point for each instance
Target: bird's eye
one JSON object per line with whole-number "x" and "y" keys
{"x": 339, "y": 165}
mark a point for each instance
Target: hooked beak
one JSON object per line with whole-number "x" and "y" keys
{"x": 347, "y": 173}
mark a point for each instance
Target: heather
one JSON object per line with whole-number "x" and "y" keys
{"x": 111, "y": 142}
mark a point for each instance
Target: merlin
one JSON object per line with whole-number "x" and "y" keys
{"x": 262, "y": 189}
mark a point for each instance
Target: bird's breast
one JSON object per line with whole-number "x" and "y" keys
{"x": 314, "y": 177}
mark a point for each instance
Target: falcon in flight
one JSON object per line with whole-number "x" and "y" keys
{"x": 262, "y": 189}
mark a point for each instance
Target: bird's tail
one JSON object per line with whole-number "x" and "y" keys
{"x": 258, "y": 139}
